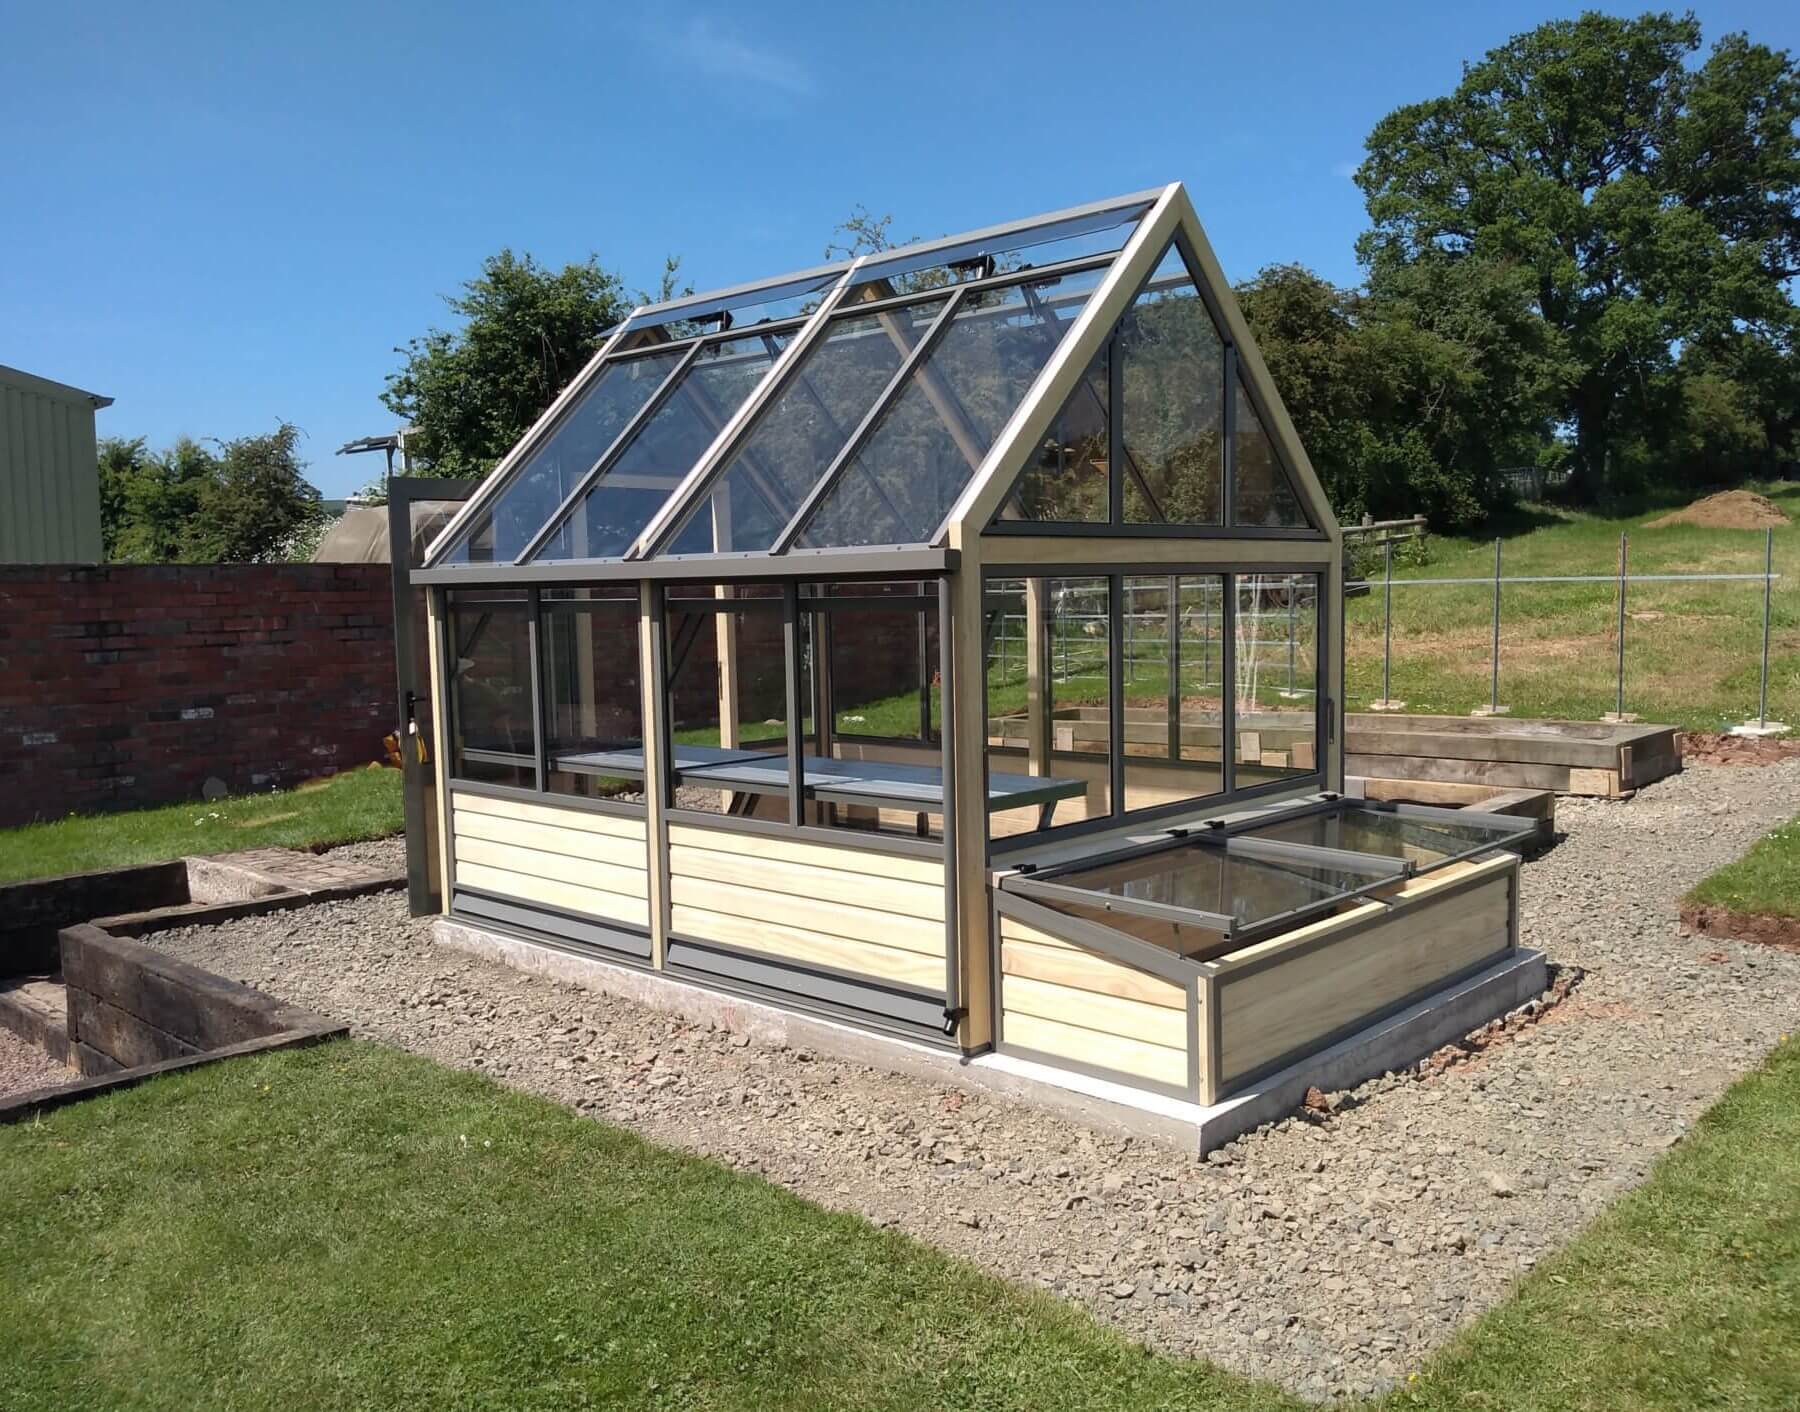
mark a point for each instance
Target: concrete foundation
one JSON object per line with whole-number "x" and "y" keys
{"x": 1392, "y": 1043}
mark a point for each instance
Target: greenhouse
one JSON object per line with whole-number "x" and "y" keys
{"x": 944, "y": 645}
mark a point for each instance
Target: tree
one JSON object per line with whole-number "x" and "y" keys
{"x": 120, "y": 463}
{"x": 1644, "y": 204}
{"x": 149, "y": 498}
{"x": 253, "y": 504}
{"x": 248, "y": 502}
{"x": 471, "y": 393}
{"x": 1406, "y": 405}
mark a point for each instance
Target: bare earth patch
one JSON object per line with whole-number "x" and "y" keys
{"x": 1709, "y": 919}
{"x": 1718, "y": 748}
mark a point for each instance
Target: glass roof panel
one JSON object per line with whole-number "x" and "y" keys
{"x": 744, "y": 307}
{"x": 908, "y": 269}
{"x": 802, "y": 430}
{"x": 613, "y": 512}
{"x": 935, "y": 432}
{"x": 502, "y": 530}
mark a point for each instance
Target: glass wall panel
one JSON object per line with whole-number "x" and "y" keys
{"x": 605, "y": 522}
{"x": 935, "y": 433}
{"x": 593, "y": 691}
{"x": 884, "y": 674}
{"x": 1049, "y": 733}
{"x": 1276, "y": 638}
{"x": 881, "y": 749}
{"x": 491, "y": 706}
{"x": 1201, "y": 668}
{"x": 1068, "y": 481}
{"x": 1172, "y": 369}
{"x": 500, "y": 533}
{"x": 803, "y": 429}
{"x": 1173, "y": 736}
{"x": 727, "y": 690}
{"x": 1264, "y": 495}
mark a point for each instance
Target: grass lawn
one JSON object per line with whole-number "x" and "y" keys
{"x": 355, "y": 805}
{"x": 1691, "y": 651}
{"x": 349, "y": 1225}
{"x": 1766, "y": 879}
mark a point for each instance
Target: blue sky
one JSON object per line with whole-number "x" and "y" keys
{"x": 232, "y": 215}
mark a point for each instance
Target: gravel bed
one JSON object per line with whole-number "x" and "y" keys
{"x": 23, "y": 1067}
{"x": 386, "y": 855}
{"x": 1330, "y": 1256}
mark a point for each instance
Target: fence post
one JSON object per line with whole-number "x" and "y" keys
{"x": 1762, "y": 725}
{"x": 1762, "y": 692}
{"x": 1387, "y": 702}
{"x": 1619, "y": 713}
{"x": 1494, "y": 708}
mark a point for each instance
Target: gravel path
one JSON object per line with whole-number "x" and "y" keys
{"x": 1331, "y": 1257}
{"x": 24, "y": 1067}
{"x": 384, "y": 854}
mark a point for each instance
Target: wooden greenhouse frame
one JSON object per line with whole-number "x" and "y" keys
{"x": 929, "y": 886}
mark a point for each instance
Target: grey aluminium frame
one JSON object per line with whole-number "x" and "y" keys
{"x": 421, "y": 825}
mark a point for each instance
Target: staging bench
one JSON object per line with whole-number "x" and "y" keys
{"x": 879, "y": 783}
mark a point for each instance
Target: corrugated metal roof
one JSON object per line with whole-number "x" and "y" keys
{"x": 48, "y": 387}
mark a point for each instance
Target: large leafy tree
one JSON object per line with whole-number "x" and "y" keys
{"x": 1647, "y": 206}
{"x": 1408, "y": 404}
{"x": 525, "y": 331}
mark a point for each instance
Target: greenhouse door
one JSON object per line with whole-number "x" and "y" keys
{"x": 417, "y": 510}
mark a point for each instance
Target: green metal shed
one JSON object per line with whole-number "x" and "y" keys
{"x": 49, "y": 481}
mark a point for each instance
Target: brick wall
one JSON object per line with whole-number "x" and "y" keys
{"x": 128, "y": 685}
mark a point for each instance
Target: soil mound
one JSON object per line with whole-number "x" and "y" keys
{"x": 1729, "y": 509}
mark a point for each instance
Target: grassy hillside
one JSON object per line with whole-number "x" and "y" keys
{"x": 1691, "y": 650}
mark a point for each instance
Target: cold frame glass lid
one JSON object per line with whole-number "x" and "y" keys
{"x": 1423, "y": 841}
{"x": 1208, "y": 878}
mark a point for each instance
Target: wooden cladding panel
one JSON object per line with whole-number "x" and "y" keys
{"x": 595, "y": 865}
{"x": 1094, "y": 1049}
{"x": 571, "y": 897}
{"x": 853, "y": 910}
{"x": 585, "y": 820}
{"x": 1304, "y": 994}
{"x": 847, "y": 859}
{"x": 884, "y": 963}
{"x": 811, "y": 881}
{"x": 1064, "y": 1001}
